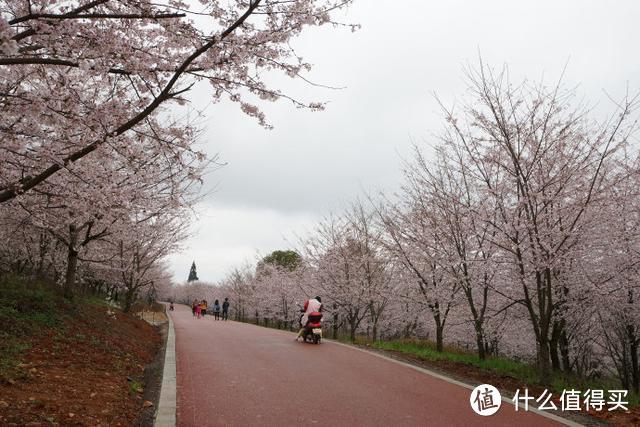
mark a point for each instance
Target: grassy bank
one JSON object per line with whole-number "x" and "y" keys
{"x": 27, "y": 310}
{"x": 64, "y": 362}
{"x": 426, "y": 351}
{"x": 496, "y": 367}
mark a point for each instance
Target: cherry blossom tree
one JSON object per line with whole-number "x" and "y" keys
{"x": 75, "y": 215}
{"x": 79, "y": 76}
{"x": 609, "y": 268}
{"x": 240, "y": 287}
{"x": 278, "y": 293}
{"x": 94, "y": 149}
{"x": 541, "y": 161}
{"x": 376, "y": 270}
{"x": 347, "y": 269}
{"x": 516, "y": 233}
{"x": 411, "y": 238}
{"x": 137, "y": 257}
{"x": 443, "y": 194}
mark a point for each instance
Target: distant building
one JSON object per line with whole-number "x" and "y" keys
{"x": 193, "y": 275}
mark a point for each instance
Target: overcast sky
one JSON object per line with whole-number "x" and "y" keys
{"x": 278, "y": 183}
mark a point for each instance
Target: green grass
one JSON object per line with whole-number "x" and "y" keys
{"x": 95, "y": 300}
{"x": 26, "y": 307}
{"x": 135, "y": 387}
{"x": 426, "y": 351}
{"x": 522, "y": 372}
{"x": 10, "y": 351}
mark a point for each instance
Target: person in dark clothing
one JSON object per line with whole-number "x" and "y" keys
{"x": 225, "y": 309}
{"x": 216, "y": 310}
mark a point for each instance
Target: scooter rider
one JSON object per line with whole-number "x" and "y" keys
{"x": 310, "y": 306}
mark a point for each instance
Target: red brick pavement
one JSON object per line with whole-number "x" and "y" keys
{"x": 235, "y": 374}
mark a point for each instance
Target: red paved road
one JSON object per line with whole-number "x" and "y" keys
{"x": 235, "y": 374}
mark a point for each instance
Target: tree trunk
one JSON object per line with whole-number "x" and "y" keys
{"x": 72, "y": 263}
{"x": 553, "y": 346}
{"x": 352, "y": 330}
{"x": 409, "y": 329}
{"x": 41, "y": 255}
{"x": 480, "y": 342}
{"x": 439, "y": 337}
{"x": 635, "y": 372}
{"x": 564, "y": 350}
{"x": 543, "y": 323}
{"x": 335, "y": 324}
{"x": 634, "y": 343}
{"x": 544, "y": 367}
{"x": 129, "y": 298}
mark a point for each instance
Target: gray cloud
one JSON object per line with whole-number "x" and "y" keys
{"x": 406, "y": 50}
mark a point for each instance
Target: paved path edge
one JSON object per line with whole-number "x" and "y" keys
{"x": 166, "y": 413}
{"x": 505, "y": 399}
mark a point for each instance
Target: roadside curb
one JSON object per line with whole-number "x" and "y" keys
{"x": 505, "y": 399}
{"x": 166, "y": 413}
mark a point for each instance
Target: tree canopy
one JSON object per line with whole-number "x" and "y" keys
{"x": 287, "y": 259}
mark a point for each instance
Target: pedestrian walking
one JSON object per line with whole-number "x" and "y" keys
{"x": 203, "y": 307}
{"x": 225, "y": 309}
{"x": 198, "y": 310}
{"x": 194, "y": 304}
{"x": 216, "y": 310}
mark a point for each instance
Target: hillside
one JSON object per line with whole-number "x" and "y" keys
{"x": 71, "y": 363}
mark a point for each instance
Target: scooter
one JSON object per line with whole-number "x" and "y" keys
{"x": 313, "y": 329}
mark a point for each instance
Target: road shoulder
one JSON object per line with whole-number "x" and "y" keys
{"x": 567, "y": 418}
{"x": 166, "y": 413}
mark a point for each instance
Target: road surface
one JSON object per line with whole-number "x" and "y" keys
{"x": 236, "y": 374}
